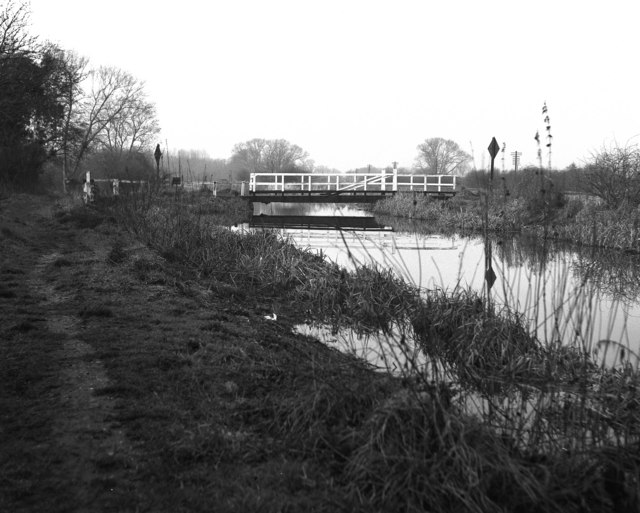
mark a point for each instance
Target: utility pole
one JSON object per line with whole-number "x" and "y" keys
{"x": 515, "y": 155}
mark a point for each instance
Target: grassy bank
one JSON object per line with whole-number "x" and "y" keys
{"x": 572, "y": 220}
{"x": 494, "y": 420}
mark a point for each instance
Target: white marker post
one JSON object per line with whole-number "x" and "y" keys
{"x": 88, "y": 194}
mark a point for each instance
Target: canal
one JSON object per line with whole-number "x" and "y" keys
{"x": 566, "y": 294}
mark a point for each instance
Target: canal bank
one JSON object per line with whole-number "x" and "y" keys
{"x": 224, "y": 407}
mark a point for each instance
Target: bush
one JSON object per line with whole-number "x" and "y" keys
{"x": 614, "y": 175}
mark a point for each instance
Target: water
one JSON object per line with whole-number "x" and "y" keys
{"x": 591, "y": 298}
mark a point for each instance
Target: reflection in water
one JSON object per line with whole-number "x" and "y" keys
{"x": 568, "y": 294}
{"x": 308, "y": 209}
{"x": 384, "y": 352}
{"x": 615, "y": 273}
{"x": 350, "y": 223}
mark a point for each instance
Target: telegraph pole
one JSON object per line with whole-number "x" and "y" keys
{"x": 515, "y": 156}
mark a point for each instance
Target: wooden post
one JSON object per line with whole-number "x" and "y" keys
{"x": 87, "y": 196}
{"x": 395, "y": 180}
{"x": 215, "y": 189}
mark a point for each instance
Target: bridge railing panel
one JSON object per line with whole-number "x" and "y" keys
{"x": 427, "y": 183}
{"x": 309, "y": 182}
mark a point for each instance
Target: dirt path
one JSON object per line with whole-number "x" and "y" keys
{"x": 57, "y": 432}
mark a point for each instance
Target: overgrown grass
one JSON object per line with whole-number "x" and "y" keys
{"x": 494, "y": 420}
{"x": 572, "y": 220}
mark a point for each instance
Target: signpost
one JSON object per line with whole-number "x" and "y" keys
{"x": 489, "y": 274}
{"x": 494, "y": 148}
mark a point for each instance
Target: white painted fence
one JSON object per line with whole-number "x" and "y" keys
{"x": 338, "y": 182}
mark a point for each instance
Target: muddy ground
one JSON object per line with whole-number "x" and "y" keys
{"x": 125, "y": 386}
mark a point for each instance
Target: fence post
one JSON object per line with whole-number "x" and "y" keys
{"x": 395, "y": 180}
{"x": 88, "y": 193}
{"x": 243, "y": 187}
{"x": 215, "y": 189}
{"x": 383, "y": 182}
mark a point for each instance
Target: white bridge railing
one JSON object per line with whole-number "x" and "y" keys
{"x": 309, "y": 182}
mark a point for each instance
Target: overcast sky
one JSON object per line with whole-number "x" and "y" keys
{"x": 357, "y": 82}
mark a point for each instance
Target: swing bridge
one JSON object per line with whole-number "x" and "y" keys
{"x": 343, "y": 188}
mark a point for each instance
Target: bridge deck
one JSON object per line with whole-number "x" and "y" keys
{"x": 324, "y": 197}
{"x": 318, "y": 196}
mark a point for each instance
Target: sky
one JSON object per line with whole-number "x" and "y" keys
{"x": 364, "y": 82}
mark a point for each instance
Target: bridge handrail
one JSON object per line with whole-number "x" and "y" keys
{"x": 281, "y": 182}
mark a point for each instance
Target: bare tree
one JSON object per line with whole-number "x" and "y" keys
{"x": 72, "y": 72}
{"x": 270, "y": 156}
{"x": 281, "y": 156}
{"x": 614, "y": 175}
{"x": 133, "y": 129}
{"x": 52, "y": 106}
{"x": 114, "y": 114}
{"x": 14, "y": 37}
{"x": 248, "y": 156}
{"x": 440, "y": 156}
